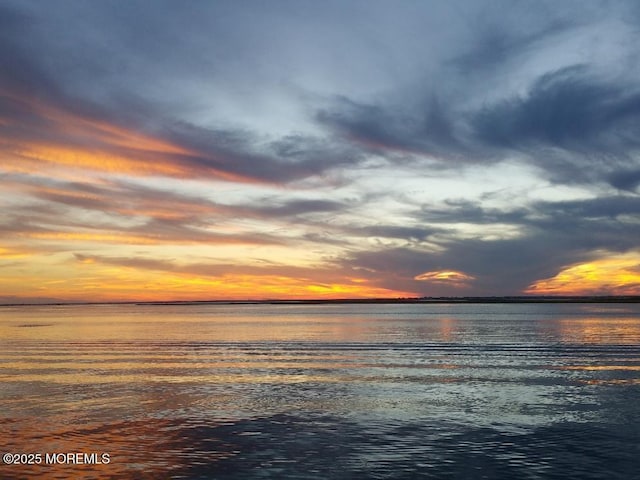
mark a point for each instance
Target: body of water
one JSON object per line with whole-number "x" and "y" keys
{"x": 400, "y": 391}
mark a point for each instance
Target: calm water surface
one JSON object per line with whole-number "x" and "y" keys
{"x": 512, "y": 391}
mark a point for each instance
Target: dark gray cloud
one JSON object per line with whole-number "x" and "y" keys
{"x": 505, "y": 266}
{"x": 394, "y": 130}
{"x": 497, "y": 44}
{"x": 552, "y": 236}
{"x": 573, "y": 126}
{"x": 19, "y": 71}
{"x": 576, "y": 127}
{"x": 625, "y": 179}
{"x": 565, "y": 109}
{"x": 300, "y": 207}
{"x": 241, "y": 153}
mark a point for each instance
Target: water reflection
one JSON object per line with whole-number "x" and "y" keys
{"x": 328, "y": 447}
{"x": 607, "y": 323}
{"x": 602, "y": 330}
{"x": 529, "y": 391}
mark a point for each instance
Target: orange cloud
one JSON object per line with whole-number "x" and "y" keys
{"x": 452, "y": 277}
{"x": 612, "y": 275}
{"x": 11, "y": 253}
{"x": 69, "y": 140}
{"x": 116, "y": 237}
{"x": 149, "y": 238}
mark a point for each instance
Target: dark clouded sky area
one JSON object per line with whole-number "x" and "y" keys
{"x": 155, "y": 150}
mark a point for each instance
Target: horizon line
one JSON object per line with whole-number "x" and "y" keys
{"x": 378, "y": 300}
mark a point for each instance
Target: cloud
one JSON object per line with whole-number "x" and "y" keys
{"x": 545, "y": 88}
{"x": 395, "y": 131}
{"x": 445, "y": 276}
{"x": 550, "y": 236}
{"x": 37, "y": 135}
{"x": 499, "y": 44}
{"x": 612, "y": 274}
{"x": 413, "y": 233}
{"x": 568, "y": 116}
{"x": 625, "y": 179}
{"x": 577, "y": 127}
{"x": 371, "y": 142}
{"x": 119, "y": 212}
{"x": 247, "y": 281}
{"x": 570, "y": 124}
{"x": 137, "y": 263}
{"x": 45, "y": 122}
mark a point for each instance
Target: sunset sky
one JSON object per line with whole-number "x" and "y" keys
{"x": 155, "y": 150}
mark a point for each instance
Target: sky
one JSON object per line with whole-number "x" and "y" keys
{"x": 203, "y": 150}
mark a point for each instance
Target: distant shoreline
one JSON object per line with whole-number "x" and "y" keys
{"x": 364, "y": 301}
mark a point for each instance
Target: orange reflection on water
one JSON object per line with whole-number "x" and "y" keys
{"x": 595, "y": 368}
{"x": 447, "y": 328}
{"x": 600, "y": 330}
{"x": 617, "y": 381}
{"x": 141, "y": 449}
